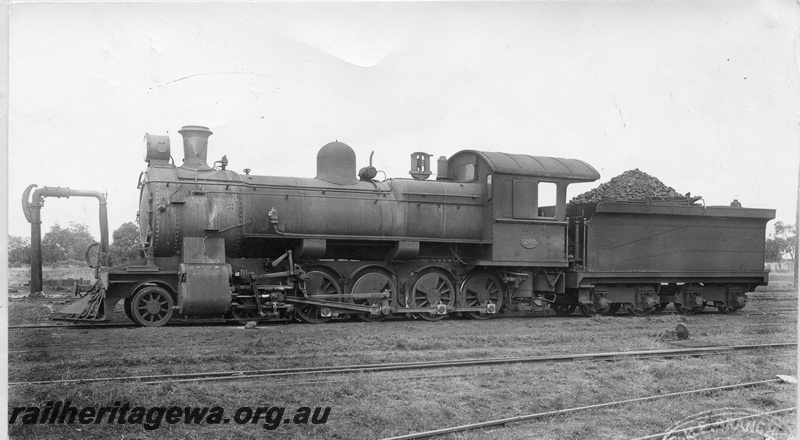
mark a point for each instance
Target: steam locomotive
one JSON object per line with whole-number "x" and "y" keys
{"x": 492, "y": 234}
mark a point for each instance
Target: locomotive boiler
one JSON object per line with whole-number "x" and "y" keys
{"x": 492, "y": 233}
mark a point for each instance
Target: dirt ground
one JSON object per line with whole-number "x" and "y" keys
{"x": 379, "y": 405}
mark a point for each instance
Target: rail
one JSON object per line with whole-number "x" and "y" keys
{"x": 522, "y": 418}
{"x": 371, "y": 368}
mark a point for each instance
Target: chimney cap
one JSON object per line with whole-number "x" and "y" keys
{"x": 194, "y": 128}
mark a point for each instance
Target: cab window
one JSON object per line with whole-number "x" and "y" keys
{"x": 465, "y": 173}
{"x": 528, "y": 199}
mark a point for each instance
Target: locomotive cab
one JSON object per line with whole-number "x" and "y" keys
{"x": 525, "y": 214}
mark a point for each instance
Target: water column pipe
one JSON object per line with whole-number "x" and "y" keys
{"x": 32, "y": 210}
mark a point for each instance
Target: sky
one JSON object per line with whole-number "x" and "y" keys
{"x": 702, "y": 95}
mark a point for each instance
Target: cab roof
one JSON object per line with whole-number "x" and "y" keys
{"x": 534, "y": 166}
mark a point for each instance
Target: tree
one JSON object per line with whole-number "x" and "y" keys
{"x": 773, "y": 251}
{"x": 788, "y": 235}
{"x": 782, "y": 243}
{"x": 125, "y": 246}
{"x": 19, "y": 250}
{"x": 66, "y": 244}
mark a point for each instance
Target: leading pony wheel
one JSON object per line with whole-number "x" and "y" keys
{"x": 245, "y": 310}
{"x": 152, "y": 306}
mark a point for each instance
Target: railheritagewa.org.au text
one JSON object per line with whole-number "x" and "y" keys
{"x": 268, "y": 417}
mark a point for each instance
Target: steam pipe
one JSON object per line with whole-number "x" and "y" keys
{"x": 32, "y": 211}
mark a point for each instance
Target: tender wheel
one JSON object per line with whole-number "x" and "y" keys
{"x": 321, "y": 283}
{"x": 563, "y": 309}
{"x": 683, "y": 310}
{"x": 245, "y": 311}
{"x": 482, "y": 288}
{"x": 588, "y": 310}
{"x": 152, "y": 307}
{"x": 635, "y": 311}
{"x": 613, "y": 309}
{"x": 373, "y": 281}
{"x": 432, "y": 289}
{"x": 728, "y": 310}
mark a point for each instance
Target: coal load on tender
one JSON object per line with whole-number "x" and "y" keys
{"x": 634, "y": 185}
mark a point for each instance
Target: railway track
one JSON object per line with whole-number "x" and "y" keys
{"x": 106, "y": 346}
{"x": 372, "y": 368}
{"x": 221, "y": 322}
{"x": 84, "y": 326}
{"x": 526, "y": 417}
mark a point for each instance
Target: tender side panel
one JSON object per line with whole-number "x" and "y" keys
{"x": 676, "y": 239}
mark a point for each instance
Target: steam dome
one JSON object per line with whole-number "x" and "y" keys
{"x": 336, "y": 163}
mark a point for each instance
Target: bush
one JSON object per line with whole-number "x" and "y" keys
{"x": 19, "y": 251}
{"x": 126, "y": 246}
{"x": 64, "y": 244}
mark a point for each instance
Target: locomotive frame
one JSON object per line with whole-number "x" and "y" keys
{"x": 479, "y": 240}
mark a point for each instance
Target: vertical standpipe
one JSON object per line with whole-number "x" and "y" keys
{"x": 32, "y": 211}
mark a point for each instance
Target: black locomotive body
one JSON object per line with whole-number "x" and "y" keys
{"x": 492, "y": 234}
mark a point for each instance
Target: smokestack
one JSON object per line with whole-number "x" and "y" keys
{"x": 195, "y": 147}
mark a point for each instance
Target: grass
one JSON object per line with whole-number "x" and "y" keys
{"x": 24, "y": 273}
{"x": 378, "y": 405}
{"x": 779, "y": 281}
